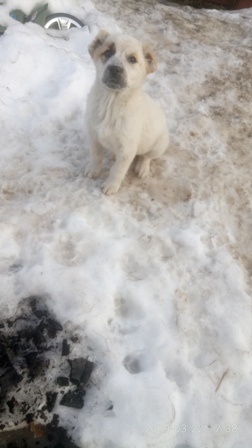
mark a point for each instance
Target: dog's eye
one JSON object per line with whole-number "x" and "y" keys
{"x": 108, "y": 53}
{"x": 132, "y": 59}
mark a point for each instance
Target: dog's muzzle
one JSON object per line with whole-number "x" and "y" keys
{"x": 114, "y": 77}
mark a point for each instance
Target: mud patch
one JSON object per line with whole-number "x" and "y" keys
{"x": 36, "y": 437}
{"x": 38, "y": 374}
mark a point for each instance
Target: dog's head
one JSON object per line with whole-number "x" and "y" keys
{"x": 121, "y": 61}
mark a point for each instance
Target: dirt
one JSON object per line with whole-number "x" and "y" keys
{"x": 36, "y": 436}
{"x": 33, "y": 344}
{"x": 198, "y": 4}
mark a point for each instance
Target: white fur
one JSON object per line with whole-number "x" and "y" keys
{"x": 126, "y": 120}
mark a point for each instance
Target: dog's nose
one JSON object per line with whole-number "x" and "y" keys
{"x": 115, "y": 70}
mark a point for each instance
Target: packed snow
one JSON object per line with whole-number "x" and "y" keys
{"x": 156, "y": 279}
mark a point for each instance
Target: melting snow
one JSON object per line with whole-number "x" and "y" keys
{"x": 156, "y": 279}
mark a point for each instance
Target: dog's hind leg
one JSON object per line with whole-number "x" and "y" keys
{"x": 142, "y": 167}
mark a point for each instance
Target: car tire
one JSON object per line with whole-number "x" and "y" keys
{"x": 62, "y": 21}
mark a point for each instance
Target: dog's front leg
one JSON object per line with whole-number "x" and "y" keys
{"x": 96, "y": 156}
{"x": 118, "y": 171}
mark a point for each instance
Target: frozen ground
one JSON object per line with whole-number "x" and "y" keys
{"x": 156, "y": 279}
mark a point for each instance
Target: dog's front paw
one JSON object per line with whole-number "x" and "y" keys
{"x": 109, "y": 188}
{"x": 92, "y": 173}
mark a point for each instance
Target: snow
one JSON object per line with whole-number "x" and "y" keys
{"x": 156, "y": 280}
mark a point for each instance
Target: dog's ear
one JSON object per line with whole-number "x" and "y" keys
{"x": 150, "y": 58}
{"x": 97, "y": 42}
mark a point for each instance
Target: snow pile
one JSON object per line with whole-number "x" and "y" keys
{"x": 156, "y": 279}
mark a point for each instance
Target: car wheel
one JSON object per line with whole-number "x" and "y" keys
{"x": 62, "y": 21}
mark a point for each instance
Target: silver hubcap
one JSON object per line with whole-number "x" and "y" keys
{"x": 62, "y": 23}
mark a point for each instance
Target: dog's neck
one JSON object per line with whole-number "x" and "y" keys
{"x": 107, "y": 104}
{"x": 110, "y": 95}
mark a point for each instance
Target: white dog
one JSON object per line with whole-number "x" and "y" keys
{"x": 120, "y": 116}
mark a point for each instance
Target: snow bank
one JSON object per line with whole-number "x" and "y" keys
{"x": 157, "y": 279}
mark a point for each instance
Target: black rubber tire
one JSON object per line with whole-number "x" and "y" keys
{"x": 67, "y": 16}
